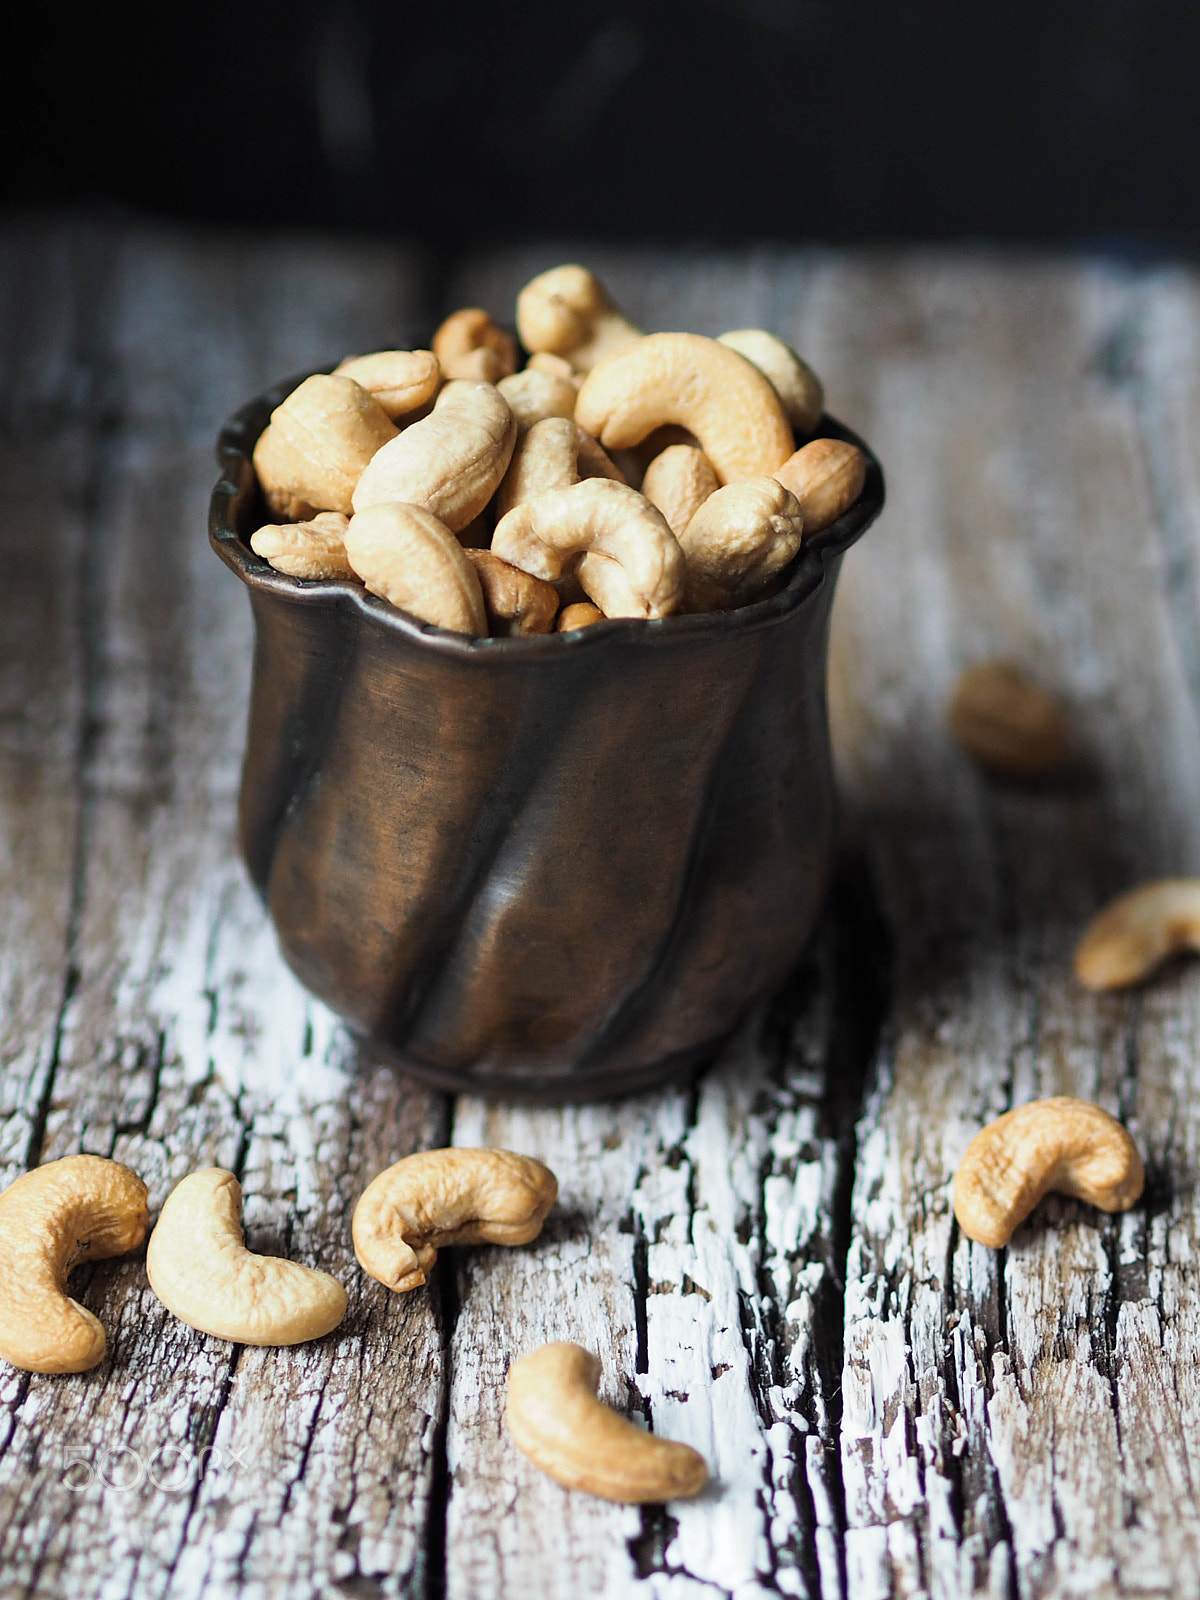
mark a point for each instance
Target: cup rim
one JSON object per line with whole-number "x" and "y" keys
{"x": 238, "y": 486}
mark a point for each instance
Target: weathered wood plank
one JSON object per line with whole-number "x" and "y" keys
{"x": 183, "y": 1465}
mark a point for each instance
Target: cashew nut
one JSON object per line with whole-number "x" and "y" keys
{"x": 533, "y": 395}
{"x": 82, "y": 1208}
{"x": 404, "y": 554}
{"x": 401, "y": 380}
{"x": 567, "y": 311}
{"x": 551, "y": 454}
{"x": 517, "y": 603}
{"x": 313, "y": 549}
{"x": 739, "y": 539}
{"x": 556, "y": 1419}
{"x": 1060, "y": 1144}
{"x": 827, "y": 477}
{"x": 1009, "y": 725}
{"x": 470, "y": 345}
{"x": 701, "y": 385}
{"x": 313, "y": 451}
{"x": 200, "y": 1269}
{"x": 1142, "y": 927}
{"x": 557, "y": 366}
{"x": 451, "y": 462}
{"x": 439, "y": 1198}
{"x": 678, "y": 481}
{"x": 618, "y": 545}
{"x": 580, "y": 615}
{"x": 792, "y": 379}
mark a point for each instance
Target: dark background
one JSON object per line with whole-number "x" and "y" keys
{"x": 1061, "y": 121}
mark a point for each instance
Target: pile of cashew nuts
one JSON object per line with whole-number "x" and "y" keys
{"x": 87, "y": 1208}
{"x": 616, "y": 475}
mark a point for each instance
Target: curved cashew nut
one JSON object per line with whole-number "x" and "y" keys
{"x": 738, "y": 540}
{"x": 579, "y": 615}
{"x": 620, "y": 547}
{"x": 678, "y": 481}
{"x": 1009, "y": 725}
{"x": 532, "y": 396}
{"x": 551, "y": 454}
{"x": 567, "y": 312}
{"x": 82, "y": 1208}
{"x": 401, "y": 380}
{"x": 556, "y": 1419}
{"x": 438, "y": 1198}
{"x": 319, "y": 440}
{"x": 470, "y": 345}
{"x": 827, "y": 477}
{"x": 701, "y": 385}
{"x": 517, "y": 603}
{"x": 450, "y": 462}
{"x": 792, "y": 379}
{"x": 313, "y": 549}
{"x": 1140, "y": 928}
{"x": 557, "y": 366}
{"x": 405, "y": 555}
{"x": 200, "y": 1269}
{"x": 1060, "y": 1144}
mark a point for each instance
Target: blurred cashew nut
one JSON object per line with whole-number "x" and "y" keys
{"x": 1138, "y": 930}
{"x": 741, "y": 537}
{"x": 568, "y": 313}
{"x": 470, "y": 345}
{"x": 438, "y": 1198}
{"x": 403, "y": 381}
{"x": 1061, "y": 1144}
{"x": 698, "y": 384}
{"x": 532, "y": 396}
{"x": 582, "y": 614}
{"x": 450, "y": 462}
{"x": 200, "y": 1269}
{"x": 619, "y": 546}
{"x": 792, "y": 379}
{"x": 406, "y": 556}
{"x": 82, "y": 1208}
{"x": 317, "y": 444}
{"x": 557, "y": 1420}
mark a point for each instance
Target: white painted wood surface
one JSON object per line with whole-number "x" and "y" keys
{"x": 766, "y": 1263}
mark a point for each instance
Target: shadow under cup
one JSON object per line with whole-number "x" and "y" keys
{"x": 550, "y": 868}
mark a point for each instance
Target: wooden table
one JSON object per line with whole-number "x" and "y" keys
{"x": 767, "y": 1262}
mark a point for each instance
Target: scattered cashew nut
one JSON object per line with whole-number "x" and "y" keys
{"x": 706, "y": 387}
{"x": 82, "y": 1208}
{"x": 619, "y": 546}
{"x": 532, "y": 396}
{"x": 200, "y": 1269}
{"x": 678, "y": 481}
{"x": 567, "y": 312}
{"x": 581, "y": 614}
{"x": 438, "y": 1198}
{"x": 1007, "y": 724}
{"x": 792, "y": 379}
{"x": 557, "y": 1420}
{"x": 517, "y": 603}
{"x": 1069, "y": 1146}
{"x": 827, "y": 477}
{"x": 451, "y": 462}
{"x": 1128, "y": 939}
{"x": 403, "y": 381}
{"x": 470, "y": 345}
{"x": 319, "y": 440}
{"x": 741, "y": 537}
{"x": 313, "y": 549}
{"x": 404, "y": 554}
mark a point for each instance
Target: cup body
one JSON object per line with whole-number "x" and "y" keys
{"x": 553, "y": 868}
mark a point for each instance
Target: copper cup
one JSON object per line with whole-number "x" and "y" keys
{"x": 549, "y": 868}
